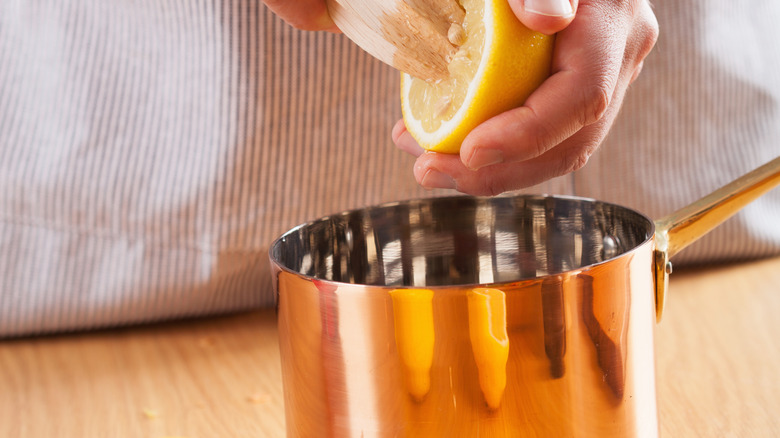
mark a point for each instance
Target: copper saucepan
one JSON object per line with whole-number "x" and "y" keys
{"x": 482, "y": 317}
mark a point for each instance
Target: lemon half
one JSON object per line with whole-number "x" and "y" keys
{"x": 498, "y": 66}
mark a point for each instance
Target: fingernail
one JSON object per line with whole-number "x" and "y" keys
{"x": 551, "y": 8}
{"x": 484, "y": 157}
{"x": 434, "y": 179}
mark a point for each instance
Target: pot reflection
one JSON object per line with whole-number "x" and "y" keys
{"x": 554, "y": 320}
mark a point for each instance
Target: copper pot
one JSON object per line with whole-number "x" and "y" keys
{"x": 482, "y": 317}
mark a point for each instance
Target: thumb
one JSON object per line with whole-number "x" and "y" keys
{"x": 545, "y": 16}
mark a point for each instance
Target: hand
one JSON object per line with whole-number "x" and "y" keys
{"x": 303, "y": 14}
{"x": 598, "y": 52}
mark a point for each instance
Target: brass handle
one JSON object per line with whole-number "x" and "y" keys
{"x": 677, "y": 230}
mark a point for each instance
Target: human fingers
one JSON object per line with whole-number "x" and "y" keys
{"x": 404, "y": 140}
{"x": 602, "y": 49}
{"x": 303, "y": 14}
{"x": 433, "y": 170}
{"x": 545, "y": 16}
{"x": 448, "y": 171}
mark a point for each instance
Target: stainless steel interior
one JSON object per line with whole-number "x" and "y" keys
{"x": 461, "y": 240}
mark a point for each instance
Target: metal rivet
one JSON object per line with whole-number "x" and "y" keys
{"x": 610, "y": 247}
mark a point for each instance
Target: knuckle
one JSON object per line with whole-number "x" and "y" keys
{"x": 597, "y": 99}
{"x": 496, "y": 188}
{"x": 636, "y": 73}
{"x": 648, "y": 29}
{"x": 487, "y": 186}
{"x": 578, "y": 162}
{"x": 538, "y": 143}
{"x": 542, "y": 136}
{"x": 651, "y": 37}
{"x": 486, "y": 189}
{"x": 575, "y": 159}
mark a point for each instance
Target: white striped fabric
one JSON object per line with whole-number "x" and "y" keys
{"x": 150, "y": 151}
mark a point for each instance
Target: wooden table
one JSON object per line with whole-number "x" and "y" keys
{"x": 718, "y": 359}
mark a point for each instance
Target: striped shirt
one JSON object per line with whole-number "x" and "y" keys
{"x": 151, "y": 151}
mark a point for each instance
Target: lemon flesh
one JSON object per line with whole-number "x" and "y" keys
{"x": 498, "y": 66}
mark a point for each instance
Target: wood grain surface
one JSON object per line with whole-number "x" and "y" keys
{"x": 718, "y": 358}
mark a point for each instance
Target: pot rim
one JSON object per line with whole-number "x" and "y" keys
{"x": 651, "y": 231}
